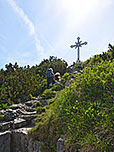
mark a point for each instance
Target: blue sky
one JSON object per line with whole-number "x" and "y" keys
{"x": 31, "y": 30}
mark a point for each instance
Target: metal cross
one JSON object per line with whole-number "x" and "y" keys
{"x": 78, "y": 44}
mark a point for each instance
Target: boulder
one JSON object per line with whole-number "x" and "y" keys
{"x": 29, "y": 119}
{"x": 2, "y": 112}
{"x": 60, "y": 144}
{"x": 16, "y": 106}
{"x": 5, "y": 126}
{"x": 31, "y": 103}
{"x": 19, "y": 141}
{"x": 10, "y": 114}
{"x": 5, "y": 141}
{"x": 18, "y": 123}
{"x": 34, "y": 146}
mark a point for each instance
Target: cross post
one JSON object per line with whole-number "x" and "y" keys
{"x": 77, "y": 45}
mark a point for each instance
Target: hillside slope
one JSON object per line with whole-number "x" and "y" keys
{"x": 83, "y": 111}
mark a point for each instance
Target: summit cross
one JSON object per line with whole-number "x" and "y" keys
{"x": 78, "y": 44}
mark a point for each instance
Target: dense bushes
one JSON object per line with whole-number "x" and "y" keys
{"x": 18, "y": 84}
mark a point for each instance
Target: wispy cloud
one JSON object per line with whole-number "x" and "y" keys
{"x": 2, "y": 36}
{"x": 29, "y": 24}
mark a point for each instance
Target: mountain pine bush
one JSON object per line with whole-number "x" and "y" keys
{"x": 18, "y": 84}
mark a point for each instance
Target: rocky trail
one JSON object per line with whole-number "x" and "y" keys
{"x": 19, "y": 119}
{"x": 13, "y": 132}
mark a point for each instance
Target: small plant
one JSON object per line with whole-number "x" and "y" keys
{"x": 51, "y": 101}
{"x": 40, "y": 110}
{"x": 57, "y": 87}
{"x": 47, "y": 94}
{"x": 31, "y": 97}
{"x": 1, "y": 117}
{"x": 67, "y": 77}
{"x": 4, "y": 106}
{"x": 38, "y": 104}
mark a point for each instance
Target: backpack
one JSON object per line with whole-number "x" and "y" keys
{"x": 49, "y": 73}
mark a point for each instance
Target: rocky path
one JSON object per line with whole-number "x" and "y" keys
{"x": 19, "y": 115}
{"x": 13, "y": 130}
{"x": 18, "y": 120}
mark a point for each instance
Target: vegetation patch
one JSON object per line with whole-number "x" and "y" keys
{"x": 20, "y": 84}
{"x": 40, "y": 110}
{"x": 48, "y": 93}
{"x": 1, "y": 118}
{"x": 38, "y": 104}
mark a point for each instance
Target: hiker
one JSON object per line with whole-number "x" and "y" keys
{"x": 57, "y": 77}
{"x": 50, "y": 77}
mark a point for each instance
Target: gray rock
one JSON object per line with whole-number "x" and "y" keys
{"x": 31, "y": 103}
{"x": 5, "y": 126}
{"x": 16, "y": 106}
{"x": 10, "y": 114}
{"x": 29, "y": 119}
{"x": 21, "y": 112}
{"x": 2, "y": 112}
{"x": 34, "y": 146}
{"x": 75, "y": 72}
{"x": 30, "y": 109}
{"x": 22, "y": 107}
{"x": 18, "y": 123}
{"x": 19, "y": 141}
{"x": 16, "y": 140}
{"x": 60, "y": 144}
{"x": 5, "y": 141}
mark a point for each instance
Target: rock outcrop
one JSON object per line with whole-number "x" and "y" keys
{"x": 19, "y": 119}
{"x": 60, "y": 144}
{"x": 5, "y": 141}
{"x": 13, "y": 130}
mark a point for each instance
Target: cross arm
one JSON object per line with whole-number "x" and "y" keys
{"x": 84, "y": 43}
{"x": 73, "y": 46}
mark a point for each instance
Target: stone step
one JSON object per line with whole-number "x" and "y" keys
{"x": 21, "y": 112}
{"x": 16, "y": 123}
{"x": 5, "y": 126}
{"x": 22, "y": 107}
{"x": 16, "y": 106}
{"x": 19, "y": 123}
{"x": 31, "y": 103}
{"x": 29, "y": 119}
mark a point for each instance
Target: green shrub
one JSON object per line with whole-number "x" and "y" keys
{"x": 48, "y": 93}
{"x": 26, "y": 83}
{"x": 57, "y": 87}
{"x": 40, "y": 110}
{"x": 1, "y": 117}
{"x": 4, "y": 106}
{"x": 38, "y": 104}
